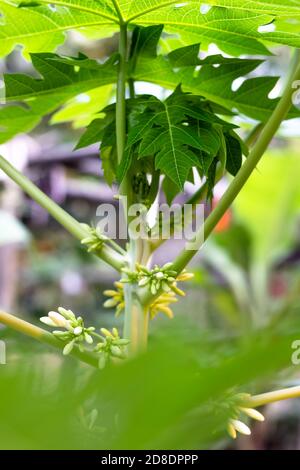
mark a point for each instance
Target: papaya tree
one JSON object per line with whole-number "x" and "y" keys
{"x": 150, "y": 143}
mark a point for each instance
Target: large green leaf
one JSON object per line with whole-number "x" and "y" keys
{"x": 85, "y": 107}
{"x": 289, "y": 8}
{"x": 232, "y": 25}
{"x": 60, "y": 83}
{"x": 60, "y": 79}
{"x": 180, "y": 132}
{"x": 103, "y": 8}
{"x": 16, "y": 119}
{"x": 40, "y": 29}
{"x": 215, "y": 83}
{"x": 234, "y": 32}
{"x": 63, "y": 79}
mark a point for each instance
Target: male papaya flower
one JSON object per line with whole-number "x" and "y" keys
{"x": 116, "y": 298}
{"x": 144, "y": 276}
{"x": 158, "y": 278}
{"x": 162, "y": 305}
{"x": 235, "y": 424}
{"x": 110, "y": 346}
{"x": 95, "y": 240}
{"x": 162, "y": 278}
{"x": 76, "y": 332}
{"x": 55, "y": 319}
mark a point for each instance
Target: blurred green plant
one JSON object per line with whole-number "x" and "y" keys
{"x": 191, "y": 396}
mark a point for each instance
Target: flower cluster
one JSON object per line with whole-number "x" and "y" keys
{"x": 108, "y": 344}
{"x": 162, "y": 305}
{"x": 75, "y": 333}
{"x": 111, "y": 346}
{"x": 94, "y": 241}
{"x": 159, "y": 305}
{"x": 116, "y": 298}
{"x": 235, "y": 424}
{"x": 158, "y": 278}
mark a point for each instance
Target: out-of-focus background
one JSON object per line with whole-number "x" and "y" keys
{"x": 247, "y": 277}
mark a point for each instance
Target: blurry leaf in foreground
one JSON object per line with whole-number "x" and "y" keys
{"x": 175, "y": 396}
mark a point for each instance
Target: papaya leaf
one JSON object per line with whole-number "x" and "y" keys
{"x": 215, "y": 83}
{"x": 234, "y": 154}
{"x": 60, "y": 83}
{"x": 179, "y": 132}
{"x": 232, "y": 25}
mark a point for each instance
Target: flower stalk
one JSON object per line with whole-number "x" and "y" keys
{"x": 45, "y": 337}
{"x": 272, "y": 397}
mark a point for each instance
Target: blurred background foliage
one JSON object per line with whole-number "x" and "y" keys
{"x": 232, "y": 332}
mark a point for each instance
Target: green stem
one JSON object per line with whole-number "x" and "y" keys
{"x": 271, "y": 397}
{"x": 131, "y": 88}
{"x": 118, "y": 10}
{"x": 253, "y": 135}
{"x": 66, "y": 220}
{"x": 116, "y": 247}
{"x": 134, "y": 316}
{"x": 121, "y": 93}
{"x": 45, "y": 337}
{"x": 96, "y": 335}
{"x": 245, "y": 172}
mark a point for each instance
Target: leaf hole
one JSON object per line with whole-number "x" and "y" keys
{"x": 237, "y": 83}
{"x": 83, "y": 98}
{"x": 275, "y": 92}
{"x": 205, "y": 8}
{"x": 267, "y": 28}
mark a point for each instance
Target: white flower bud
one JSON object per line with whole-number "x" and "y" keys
{"x": 123, "y": 342}
{"x": 241, "y": 427}
{"x": 231, "y": 430}
{"x": 78, "y": 330}
{"x": 58, "y": 319}
{"x": 144, "y": 281}
{"x": 153, "y": 289}
{"x": 159, "y": 275}
{"x": 167, "y": 266}
{"x": 47, "y": 321}
{"x": 68, "y": 348}
{"x": 68, "y": 314}
{"x": 61, "y": 334}
{"x": 116, "y": 351}
{"x": 115, "y": 332}
{"x": 106, "y": 332}
{"x": 110, "y": 303}
{"x": 88, "y": 338}
{"x": 252, "y": 413}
